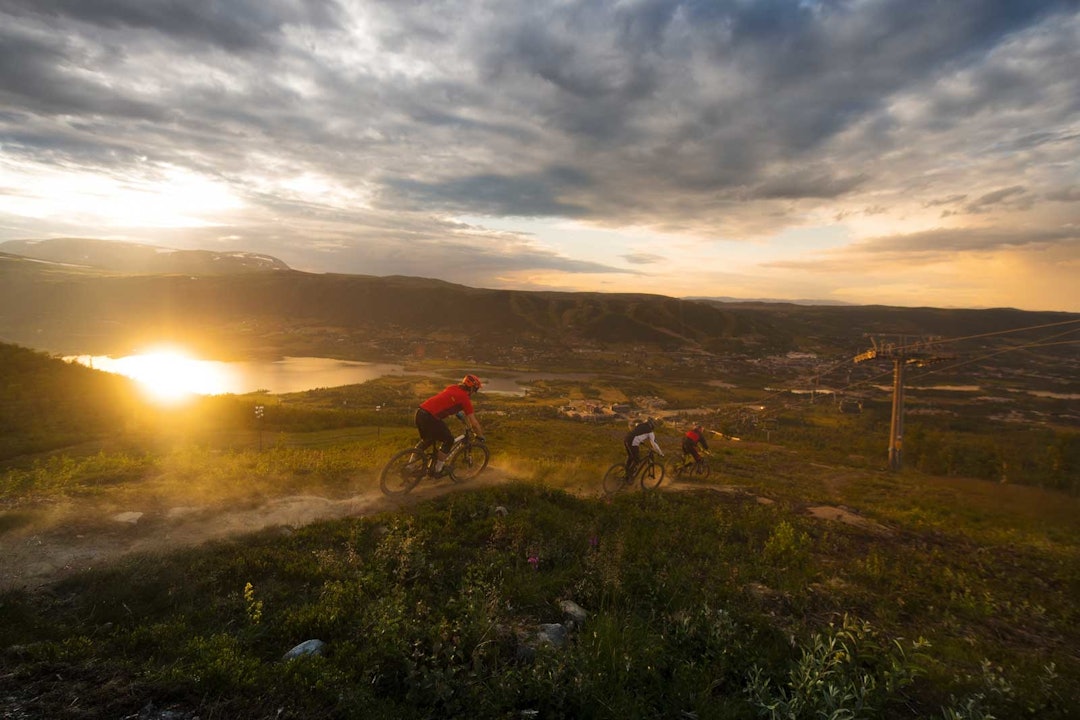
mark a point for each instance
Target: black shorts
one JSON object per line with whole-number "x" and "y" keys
{"x": 433, "y": 430}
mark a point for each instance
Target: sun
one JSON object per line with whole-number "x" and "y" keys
{"x": 170, "y": 376}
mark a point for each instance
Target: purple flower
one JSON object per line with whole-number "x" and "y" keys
{"x": 534, "y": 561}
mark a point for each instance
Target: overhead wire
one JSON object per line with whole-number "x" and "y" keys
{"x": 931, "y": 371}
{"x": 777, "y": 394}
{"x": 942, "y": 341}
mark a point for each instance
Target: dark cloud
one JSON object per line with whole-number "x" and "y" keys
{"x": 808, "y": 184}
{"x": 34, "y": 78}
{"x": 531, "y": 196}
{"x": 935, "y": 246}
{"x": 643, "y": 258}
{"x": 1014, "y": 195}
{"x": 1067, "y": 195}
{"x": 233, "y": 25}
{"x": 950, "y": 200}
{"x": 964, "y": 240}
{"x": 720, "y": 118}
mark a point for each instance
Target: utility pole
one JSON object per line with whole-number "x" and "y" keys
{"x": 903, "y": 354}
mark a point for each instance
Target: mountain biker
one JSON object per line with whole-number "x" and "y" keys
{"x": 455, "y": 399}
{"x": 694, "y": 437}
{"x": 642, "y": 432}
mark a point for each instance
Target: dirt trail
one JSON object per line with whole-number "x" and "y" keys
{"x": 34, "y": 556}
{"x": 37, "y": 555}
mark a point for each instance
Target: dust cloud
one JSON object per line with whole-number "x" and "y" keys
{"x": 44, "y": 544}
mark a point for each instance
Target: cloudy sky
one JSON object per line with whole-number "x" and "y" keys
{"x": 903, "y": 152}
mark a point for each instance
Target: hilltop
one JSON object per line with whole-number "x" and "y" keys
{"x": 76, "y": 310}
{"x": 136, "y": 258}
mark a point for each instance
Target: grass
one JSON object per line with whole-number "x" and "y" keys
{"x": 703, "y": 601}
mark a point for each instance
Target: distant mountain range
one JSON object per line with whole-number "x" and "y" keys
{"x": 140, "y": 259}
{"x": 768, "y": 301}
{"x": 74, "y": 296}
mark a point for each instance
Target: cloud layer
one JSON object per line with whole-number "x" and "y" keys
{"x": 858, "y": 145}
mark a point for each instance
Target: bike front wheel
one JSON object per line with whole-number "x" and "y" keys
{"x": 652, "y": 475}
{"x": 615, "y": 479}
{"x": 403, "y": 472}
{"x": 468, "y": 461}
{"x": 702, "y": 469}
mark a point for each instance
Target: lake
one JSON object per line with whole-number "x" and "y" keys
{"x": 169, "y": 374}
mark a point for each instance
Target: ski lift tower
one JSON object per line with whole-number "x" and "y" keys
{"x": 903, "y": 354}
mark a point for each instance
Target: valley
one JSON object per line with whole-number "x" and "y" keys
{"x": 158, "y": 560}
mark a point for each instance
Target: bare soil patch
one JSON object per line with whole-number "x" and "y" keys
{"x": 73, "y": 540}
{"x": 69, "y": 540}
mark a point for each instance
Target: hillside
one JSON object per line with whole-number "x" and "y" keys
{"x": 54, "y": 308}
{"x": 80, "y": 310}
{"x": 47, "y": 404}
{"x": 135, "y": 258}
{"x": 799, "y": 580}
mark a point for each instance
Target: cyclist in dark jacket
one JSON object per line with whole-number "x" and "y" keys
{"x": 453, "y": 400}
{"x": 634, "y": 438}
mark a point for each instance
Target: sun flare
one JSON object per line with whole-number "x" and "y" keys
{"x": 166, "y": 375}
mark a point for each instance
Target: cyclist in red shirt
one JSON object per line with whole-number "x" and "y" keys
{"x": 454, "y": 400}
{"x": 694, "y": 436}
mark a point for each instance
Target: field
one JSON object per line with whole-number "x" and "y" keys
{"x": 163, "y": 564}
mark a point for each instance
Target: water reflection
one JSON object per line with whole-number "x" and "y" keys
{"x": 296, "y": 374}
{"x": 212, "y": 377}
{"x": 176, "y": 374}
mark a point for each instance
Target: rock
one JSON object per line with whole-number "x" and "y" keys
{"x": 553, "y": 633}
{"x": 308, "y": 647}
{"x": 574, "y": 612}
{"x": 128, "y": 517}
{"x": 525, "y": 653}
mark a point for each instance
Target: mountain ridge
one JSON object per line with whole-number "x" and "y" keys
{"x": 80, "y": 309}
{"x": 139, "y": 258}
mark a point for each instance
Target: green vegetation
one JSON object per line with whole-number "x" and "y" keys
{"x": 939, "y": 596}
{"x": 698, "y": 602}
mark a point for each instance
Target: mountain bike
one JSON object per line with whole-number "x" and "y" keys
{"x": 467, "y": 458}
{"x": 649, "y": 472}
{"x": 690, "y": 468}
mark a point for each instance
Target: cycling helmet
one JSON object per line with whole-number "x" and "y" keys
{"x": 470, "y": 382}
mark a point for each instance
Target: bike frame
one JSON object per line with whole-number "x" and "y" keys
{"x": 646, "y": 461}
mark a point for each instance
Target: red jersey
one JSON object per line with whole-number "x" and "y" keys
{"x": 693, "y": 438}
{"x": 448, "y": 402}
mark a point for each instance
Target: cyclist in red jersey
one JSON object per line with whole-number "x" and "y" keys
{"x": 694, "y": 436}
{"x": 454, "y": 400}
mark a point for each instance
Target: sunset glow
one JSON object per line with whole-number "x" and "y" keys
{"x": 167, "y": 376}
{"x": 776, "y": 150}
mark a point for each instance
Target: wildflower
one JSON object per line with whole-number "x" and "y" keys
{"x": 534, "y": 561}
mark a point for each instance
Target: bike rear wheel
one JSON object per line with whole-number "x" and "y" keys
{"x": 403, "y": 472}
{"x": 615, "y": 479}
{"x": 652, "y": 475}
{"x": 468, "y": 461}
